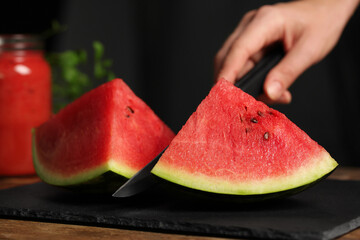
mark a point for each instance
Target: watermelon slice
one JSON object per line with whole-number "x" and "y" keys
{"x": 235, "y": 145}
{"x": 108, "y": 131}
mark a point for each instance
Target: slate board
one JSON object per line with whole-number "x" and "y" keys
{"x": 325, "y": 211}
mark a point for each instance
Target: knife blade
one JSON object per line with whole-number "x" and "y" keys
{"x": 141, "y": 181}
{"x": 252, "y": 83}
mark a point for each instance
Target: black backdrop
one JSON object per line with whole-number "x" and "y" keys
{"x": 164, "y": 51}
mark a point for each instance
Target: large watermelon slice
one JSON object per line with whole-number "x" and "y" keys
{"x": 235, "y": 145}
{"x": 107, "y": 130}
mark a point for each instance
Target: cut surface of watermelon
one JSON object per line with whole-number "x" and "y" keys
{"x": 108, "y": 129}
{"x": 234, "y": 144}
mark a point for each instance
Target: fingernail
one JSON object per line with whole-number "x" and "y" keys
{"x": 274, "y": 90}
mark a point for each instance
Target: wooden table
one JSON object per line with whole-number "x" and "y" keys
{"x": 30, "y": 230}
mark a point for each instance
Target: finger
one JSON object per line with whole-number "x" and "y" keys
{"x": 294, "y": 63}
{"x": 253, "y": 60}
{"x": 220, "y": 56}
{"x": 247, "y": 67}
{"x": 285, "y": 98}
{"x": 239, "y": 29}
{"x": 263, "y": 30}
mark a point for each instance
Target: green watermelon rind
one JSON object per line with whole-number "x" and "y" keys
{"x": 302, "y": 177}
{"x": 193, "y": 194}
{"x": 86, "y": 178}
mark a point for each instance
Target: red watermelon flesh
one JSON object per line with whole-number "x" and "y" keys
{"x": 234, "y": 144}
{"x": 107, "y": 129}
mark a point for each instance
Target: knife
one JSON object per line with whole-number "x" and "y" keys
{"x": 252, "y": 83}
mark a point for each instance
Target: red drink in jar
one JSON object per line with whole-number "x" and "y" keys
{"x": 25, "y": 100}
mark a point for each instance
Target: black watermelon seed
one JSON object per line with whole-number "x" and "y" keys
{"x": 254, "y": 120}
{"x": 130, "y": 109}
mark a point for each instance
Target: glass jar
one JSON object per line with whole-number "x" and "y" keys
{"x": 25, "y": 100}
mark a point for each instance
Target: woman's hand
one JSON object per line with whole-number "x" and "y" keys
{"x": 308, "y": 29}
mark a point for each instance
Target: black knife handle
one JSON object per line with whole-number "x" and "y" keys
{"x": 253, "y": 81}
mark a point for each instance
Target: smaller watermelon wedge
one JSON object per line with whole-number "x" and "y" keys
{"x": 237, "y": 146}
{"x": 104, "y": 137}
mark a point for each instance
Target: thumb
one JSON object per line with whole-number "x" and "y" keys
{"x": 295, "y": 62}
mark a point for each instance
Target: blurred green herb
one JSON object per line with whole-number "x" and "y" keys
{"x": 69, "y": 80}
{"x": 54, "y": 29}
{"x": 101, "y": 66}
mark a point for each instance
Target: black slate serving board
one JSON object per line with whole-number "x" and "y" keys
{"x": 325, "y": 211}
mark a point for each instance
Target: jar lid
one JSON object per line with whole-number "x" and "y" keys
{"x": 20, "y": 42}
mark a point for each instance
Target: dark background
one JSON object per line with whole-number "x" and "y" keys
{"x": 164, "y": 51}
